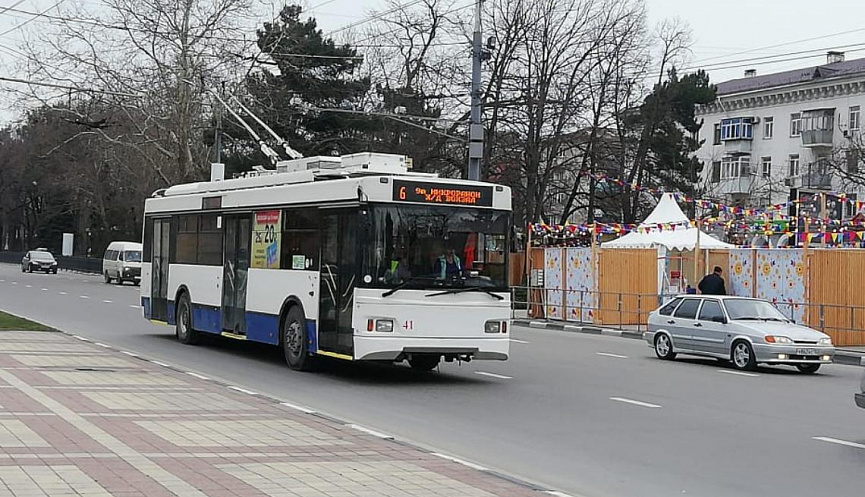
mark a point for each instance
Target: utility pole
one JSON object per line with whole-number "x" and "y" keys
{"x": 476, "y": 129}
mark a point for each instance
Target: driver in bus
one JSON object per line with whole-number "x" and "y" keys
{"x": 398, "y": 270}
{"x": 449, "y": 265}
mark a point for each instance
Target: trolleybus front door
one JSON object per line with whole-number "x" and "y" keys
{"x": 339, "y": 267}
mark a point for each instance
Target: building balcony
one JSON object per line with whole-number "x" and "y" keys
{"x": 739, "y": 146}
{"x": 818, "y": 127}
{"x": 817, "y": 181}
{"x": 733, "y": 186}
{"x": 817, "y": 138}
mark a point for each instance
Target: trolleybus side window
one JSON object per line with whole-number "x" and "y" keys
{"x": 300, "y": 239}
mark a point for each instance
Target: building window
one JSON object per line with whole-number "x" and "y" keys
{"x": 796, "y": 124}
{"x": 740, "y": 128}
{"x": 735, "y": 167}
{"x": 767, "y": 166}
{"x": 717, "y": 138}
{"x": 794, "y": 165}
{"x": 855, "y": 119}
{"x": 853, "y": 161}
{"x": 716, "y": 171}
{"x": 768, "y": 127}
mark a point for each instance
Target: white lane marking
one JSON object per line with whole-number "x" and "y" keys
{"x": 242, "y": 390}
{"x": 135, "y": 306}
{"x": 460, "y": 461}
{"x": 557, "y": 493}
{"x": 840, "y": 442}
{"x": 130, "y": 354}
{"x": 161, "y": 364}
{"x": 298, "y": 408}
{"x": 740, "y": 373}
{"x": 1, "y": 281}
{"x": 79, "y": 337}
{"x": 62, "y": 293}
{"x": 196, "y": 375}
{"x": 44, "y": 289}
{"x": 107, "y": 301}
{"x": 493, "y": 375}
{"x": 84, "y": 296}
{"x": 102, "y": 345}
{"x": 368, "y": 431}
{"x": 518, "y": 341}
{"x": 28, "y": 286}
{"x": 607, "y": 354}
{"x": 634, "y": 402}
{"x": 14, "y": 282}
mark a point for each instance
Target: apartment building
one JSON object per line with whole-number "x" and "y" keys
{"x": 775, "y": 137}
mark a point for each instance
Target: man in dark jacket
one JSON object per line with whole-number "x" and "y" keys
{"x": 713, "y": 284}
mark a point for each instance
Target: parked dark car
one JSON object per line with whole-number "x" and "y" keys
{"x": 860, "y": 397}
{"x": 39, "y": 260}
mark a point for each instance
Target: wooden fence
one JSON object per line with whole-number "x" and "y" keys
{"x": 627, "y": 285}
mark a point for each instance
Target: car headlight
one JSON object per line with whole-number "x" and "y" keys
{"x": 493, "y": 327}
{"x": 384, "y": 325}
{"x": 825, "y": 341}
{"x": 778, "y": 339}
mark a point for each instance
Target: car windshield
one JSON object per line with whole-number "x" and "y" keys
{"x": 42, "y": 256}
{"x": 436, "y": 246}
{"x": 752, "y": 309}
{"x": 132, "y": 256}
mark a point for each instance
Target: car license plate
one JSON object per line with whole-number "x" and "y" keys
{"x": 807, "y": 352}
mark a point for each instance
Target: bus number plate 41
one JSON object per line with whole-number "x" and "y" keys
{"x": 408, "y": 325}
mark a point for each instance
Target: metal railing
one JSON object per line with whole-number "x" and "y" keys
{"x": 78, "y": 264}
{"x": 620, "y": 310}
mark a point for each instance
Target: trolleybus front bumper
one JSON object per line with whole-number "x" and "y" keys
{"x": 395, "y": 349}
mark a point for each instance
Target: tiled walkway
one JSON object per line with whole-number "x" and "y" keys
{"x": 77, "y": 419}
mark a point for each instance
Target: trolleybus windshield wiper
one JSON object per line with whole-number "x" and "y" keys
{"x": 467, "y": 289}
{"x": 404, "y": 284}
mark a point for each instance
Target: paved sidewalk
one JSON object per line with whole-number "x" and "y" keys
{"x": 79, "y": 419}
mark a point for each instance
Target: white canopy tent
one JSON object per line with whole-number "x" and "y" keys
{"x": 683, "y": 237}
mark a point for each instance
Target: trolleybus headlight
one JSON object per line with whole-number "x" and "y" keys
{"x": 384, "y": 325}
{"x": 493, "y": 327}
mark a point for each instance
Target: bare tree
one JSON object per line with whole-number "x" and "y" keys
{"x": 150, "y": 59}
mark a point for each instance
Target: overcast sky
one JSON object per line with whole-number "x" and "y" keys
{"x": 725, "y": 33}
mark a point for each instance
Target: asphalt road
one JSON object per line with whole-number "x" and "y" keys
{"x": 588, "y": 415}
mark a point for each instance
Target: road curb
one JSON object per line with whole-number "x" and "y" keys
{"x": 846, "y": 357}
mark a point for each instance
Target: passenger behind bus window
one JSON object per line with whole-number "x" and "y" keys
{"x": 449, "y": 265}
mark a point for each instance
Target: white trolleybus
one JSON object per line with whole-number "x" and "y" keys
{"x": 350, "y": 257}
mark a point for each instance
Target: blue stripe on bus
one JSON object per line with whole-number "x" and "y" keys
{"x": 312, "y": 339}
{"x": 171, "y": 318}
{"x": 261, "y": 327}
{"x": 145, "y": 302}
{"x": 207, "y": 318}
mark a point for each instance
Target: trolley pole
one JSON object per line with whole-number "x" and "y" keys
{"x": 476, "y": 129}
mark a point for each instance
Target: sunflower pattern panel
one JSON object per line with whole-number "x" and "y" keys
{"x": 781, "y": 280}
{"x": 741, "y": 272}
{"x": 553, "y": 282}
{"x": 580, "y": 285}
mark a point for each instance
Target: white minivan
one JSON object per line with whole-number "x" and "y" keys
{"x": 122, "y": 262}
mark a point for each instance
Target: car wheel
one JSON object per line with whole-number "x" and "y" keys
{"x": 664, "y": 347}
{"x": 294, "y": 341}
{"x": 743, "y": 356}
{"x": 107, "y": 278}
{"x": 424, "y": 362}
{"x": 186, "y": 334}
{"x": 808, "y": 368}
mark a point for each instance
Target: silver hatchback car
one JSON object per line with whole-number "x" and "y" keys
{"x": 743, "y": 330}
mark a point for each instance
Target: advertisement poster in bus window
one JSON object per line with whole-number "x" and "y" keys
{"x": 265, "y": 239}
